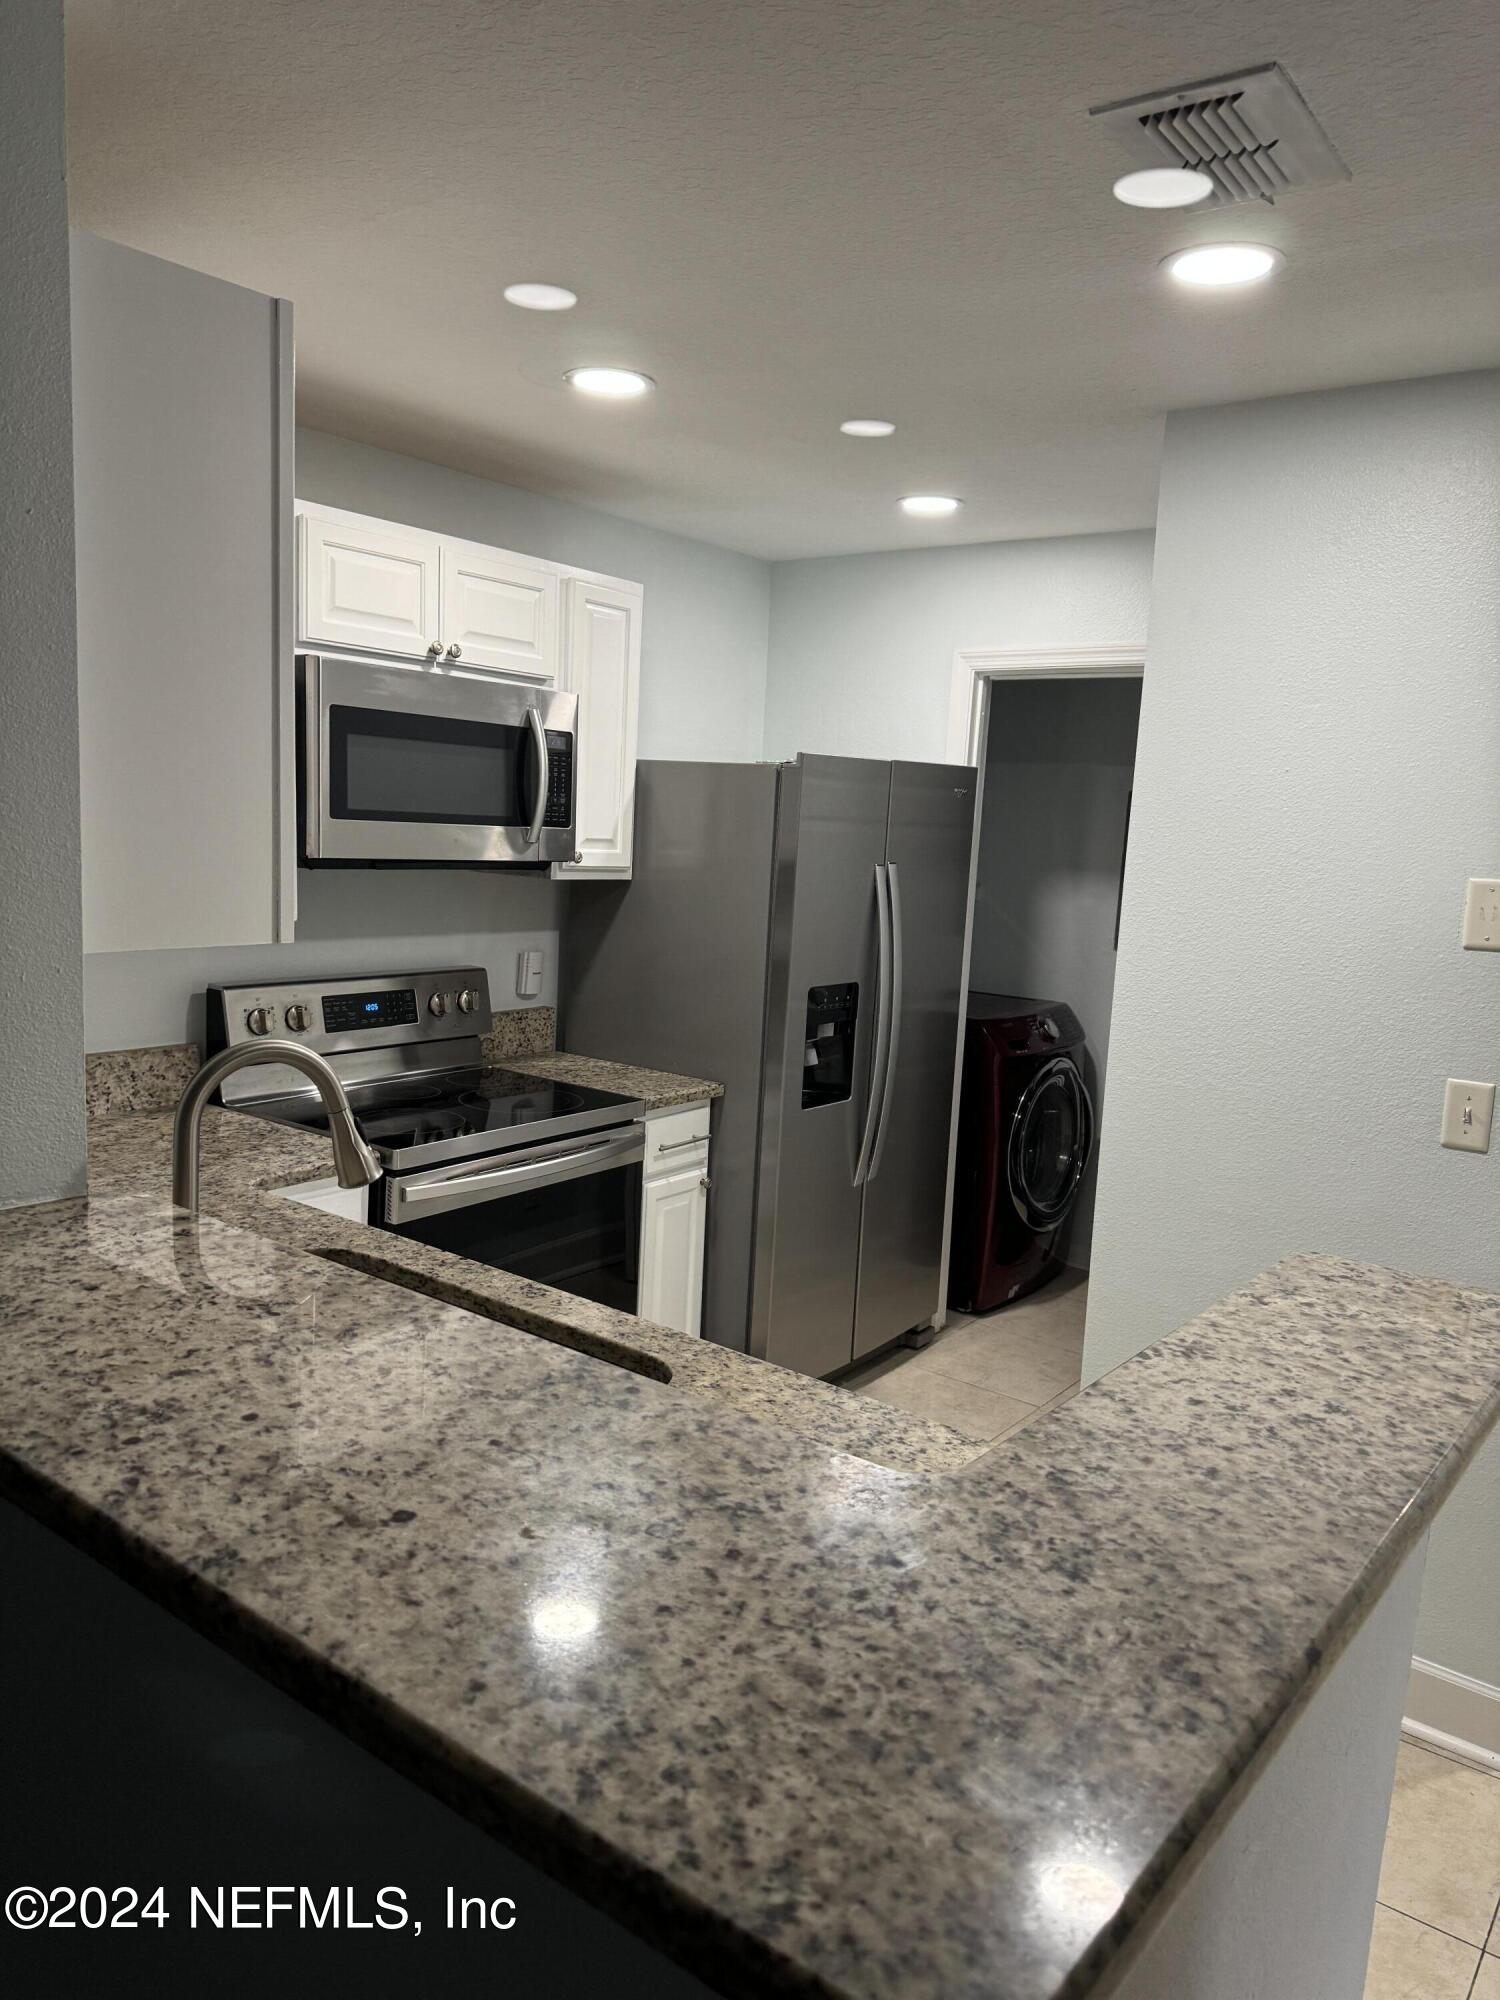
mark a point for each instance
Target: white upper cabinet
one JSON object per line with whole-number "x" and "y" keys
{"x": 602, "y": 666}
{"x": 367, "y": 586}
{"x": 498, "y": 610}
{"x": 182, "y": 440}
{"x": 371, "y": 586}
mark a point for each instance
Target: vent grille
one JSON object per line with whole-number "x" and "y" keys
{"x": 1252, "y": 134}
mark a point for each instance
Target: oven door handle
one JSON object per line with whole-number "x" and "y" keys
{"x": 409, "y": 1196}
{"x": 539, "y": 745}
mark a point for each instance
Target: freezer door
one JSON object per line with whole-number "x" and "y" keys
{"x": 901, "y": 1240}
{"x": 830, "y": 853}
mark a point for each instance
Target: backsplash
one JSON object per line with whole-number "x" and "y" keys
{"x": 522, "y": 1031}
{"x": 153, "y": 1079}
{"x": 137, "y": 1079}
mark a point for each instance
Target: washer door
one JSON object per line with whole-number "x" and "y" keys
{"x": 1051, "y": 1137}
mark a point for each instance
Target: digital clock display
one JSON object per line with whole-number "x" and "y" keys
{"x": 344, "y": 1011}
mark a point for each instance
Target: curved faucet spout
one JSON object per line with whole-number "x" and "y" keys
{"x": 356, "y": 1163}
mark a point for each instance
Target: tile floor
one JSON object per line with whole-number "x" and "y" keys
{"x": 1437, "y": 1924}
{"x": 990, "y": 1376}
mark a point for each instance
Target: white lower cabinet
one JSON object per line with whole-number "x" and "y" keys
{"x": 674, "y": 1219}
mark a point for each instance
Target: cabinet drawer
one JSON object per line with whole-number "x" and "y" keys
{"x": 676, "y": 1140}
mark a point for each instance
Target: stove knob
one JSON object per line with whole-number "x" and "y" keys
{"x": 258, "y": 1020}
{"x": 438, "y": 1005}
{"x": 468, "y": 1000}
{"x": 298, "y": 1019}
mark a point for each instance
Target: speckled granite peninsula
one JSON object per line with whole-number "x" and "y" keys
{"x": 813, "y": 1724}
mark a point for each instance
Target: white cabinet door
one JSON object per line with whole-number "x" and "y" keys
{"x": 673, "y": 1218}
{"x": 182, "y": 406}
{"x": 602, "y": 666}
{"x": 499, "y": 610}
{"x": 369, "y": 585}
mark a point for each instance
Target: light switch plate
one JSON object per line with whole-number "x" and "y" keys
{"x": 1468, "y": 1111}
{"x": 1482, "y": 915}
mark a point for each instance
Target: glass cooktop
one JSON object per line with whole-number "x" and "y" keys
{"x": 418, "y": 1121}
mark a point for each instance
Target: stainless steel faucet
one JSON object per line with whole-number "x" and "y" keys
{"x": 355, "y": 1163}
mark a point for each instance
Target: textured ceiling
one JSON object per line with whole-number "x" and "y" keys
{"x": 789, "y": 214}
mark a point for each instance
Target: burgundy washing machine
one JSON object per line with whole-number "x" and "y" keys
{"x": 1025, "y": 1135}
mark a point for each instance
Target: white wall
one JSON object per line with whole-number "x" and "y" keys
{"x": 1318, "y": 772}
{"x": 1060, "y": 764}
{"x": 703, "y": 673}
{"x": 41, "y": 1048}
{"x": 862, "y": 646}
{"x": 703, "y": 640}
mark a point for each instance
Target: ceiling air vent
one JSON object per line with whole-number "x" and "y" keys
{"x": 1252, "y": 134}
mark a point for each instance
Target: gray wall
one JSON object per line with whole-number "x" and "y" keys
{"x": 703, "y": 673}
{"x": 41, "y": 1049}
{"x": 862, "y": 646}
{"x": 1316, "y": 777}
{"x": 348, "y": 923}
{"x": 1057, "y": 780}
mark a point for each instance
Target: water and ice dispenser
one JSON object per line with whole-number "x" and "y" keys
{"x": 828, "y": 1051}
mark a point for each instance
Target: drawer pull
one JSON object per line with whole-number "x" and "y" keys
{"x": 680, "y": 1145}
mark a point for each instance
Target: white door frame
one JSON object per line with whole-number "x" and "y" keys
{"x": 975, "y": 670}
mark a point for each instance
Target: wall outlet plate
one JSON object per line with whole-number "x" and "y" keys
{"x": 1482, "y": 914}
{"x": 1468, "y": 1112}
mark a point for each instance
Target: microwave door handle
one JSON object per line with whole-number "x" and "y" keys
{"x": 893, "y": 1040}
{"x": 539, "y": 745}
{"x": 882, "y": 1029}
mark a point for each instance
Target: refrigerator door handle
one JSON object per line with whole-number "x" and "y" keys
{"x": 893, "y": 1034}
{"x": 882, "y": 1029}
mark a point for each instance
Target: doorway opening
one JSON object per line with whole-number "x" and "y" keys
{"x": 1054, "y": 740}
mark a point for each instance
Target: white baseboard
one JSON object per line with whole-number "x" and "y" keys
{"x": 1454, "y": 1714}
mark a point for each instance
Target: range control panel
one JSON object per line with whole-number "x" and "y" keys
{"x": 342, "y": 1016}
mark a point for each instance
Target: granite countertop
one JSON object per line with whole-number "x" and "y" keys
{"x": 814, "y": 1725}
{"x": 656, "y": 1089}
{"x": 245, "y": 1158}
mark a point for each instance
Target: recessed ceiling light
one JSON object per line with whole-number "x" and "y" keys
{"x": 930, "y": 505}
{"x": 1223, "y": 263}
{"x": 616, "y": 383}
{"x": 1163, "y": 187}
{"x": 866, "y": 427}
{"x": 541, "y": 298}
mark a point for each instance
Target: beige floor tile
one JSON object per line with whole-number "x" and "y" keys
{"x": 1409, "y": 1961}
{"x": 1494, "y": 1943}
{"x": 978, "y": 1413}
{"x": 1442, "y": 1844}
{"x": 1487, "y": 1985}
{"x": 1030, "y": 1366}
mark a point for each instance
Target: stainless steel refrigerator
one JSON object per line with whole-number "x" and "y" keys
{"x": 796, "y": 931}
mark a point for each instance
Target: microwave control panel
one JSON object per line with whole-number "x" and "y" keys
{"x": 559, "y": 778}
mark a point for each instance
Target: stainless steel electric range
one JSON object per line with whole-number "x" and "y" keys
{"x": 538, "y": 1177}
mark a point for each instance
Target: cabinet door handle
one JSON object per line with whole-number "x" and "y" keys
{"x": 454, "y": 652}
{"x": 704, "y": 1182}
{"x": 434, "y": 649}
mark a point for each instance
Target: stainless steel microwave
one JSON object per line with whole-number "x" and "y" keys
{"x": 427, "y": 767}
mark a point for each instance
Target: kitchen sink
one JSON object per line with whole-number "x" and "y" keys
{"x": 451, "y": 1292}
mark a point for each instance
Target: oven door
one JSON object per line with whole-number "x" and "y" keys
{"x": 403, "y": 764}
{"x": 565, "y": 1212}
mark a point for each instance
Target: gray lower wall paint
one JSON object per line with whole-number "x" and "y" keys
{"x": 862, "y": 646}
{"x": 41, "y": 1003}
{"x": 1316, "y": 778}
{"x": 703, "y": 674}
{"x": 703, "y": 639}
{"x": 1057, "y": 782}
{"x": 349, "y": 922}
